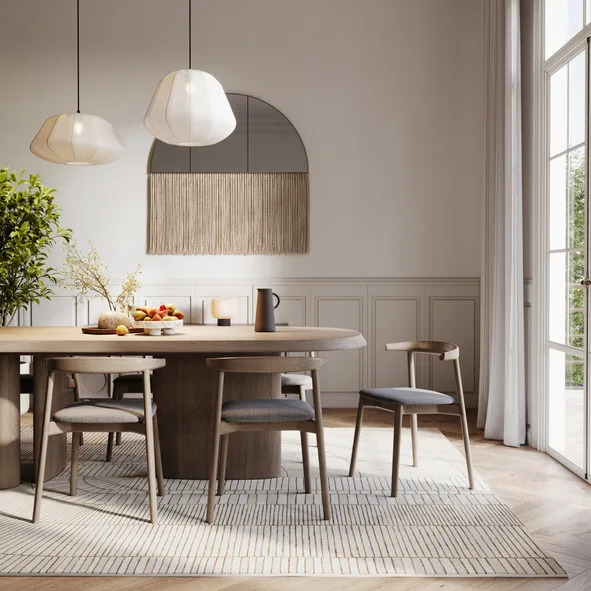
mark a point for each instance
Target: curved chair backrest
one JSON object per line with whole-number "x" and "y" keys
{"x": 446, "y": 351}
{"x": 265, "y": 364}
{"x": 103, "y": 364}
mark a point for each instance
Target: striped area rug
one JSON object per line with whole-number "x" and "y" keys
{"x": 436, "y": 527}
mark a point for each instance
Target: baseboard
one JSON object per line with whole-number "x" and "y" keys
{"x": 471, "y": 400}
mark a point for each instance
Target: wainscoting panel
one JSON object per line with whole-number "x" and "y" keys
{"x": 454, "y": 319}
{"x": 392, "y": 316}
{"x": 295, "y": 306}
{"x": 292, "y": 311}
{"x": 242, "y": 313}
{"x": 61, "y": 310}
{"x": 201, "y": 312}
{"x": 384, "y": 310}
{"x": 344, "y": 372}
{"x": 342, "y": 306}
{"x": 182, "y": 296}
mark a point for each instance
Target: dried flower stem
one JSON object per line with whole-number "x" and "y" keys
{"x": 87, "y": 274}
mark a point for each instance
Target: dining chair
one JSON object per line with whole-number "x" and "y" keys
{"x": 297, "y": 383}
{"x": 116, "y": 390}
{"x": 129, "y": 383}
{"x": 291, "y": 383}
{"x": 414, "y": 401}
{"x": 102, "y": 416}
{"x": 275, "y": 414}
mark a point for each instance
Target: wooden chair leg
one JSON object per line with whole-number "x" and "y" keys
{"x": 151, "y": 462}
{"x": 323, "y": 474}
{"x": 40, "y": 476}
{"x": 77, "y": 398}
{"x": 303, "y": 393}
{"x": 223, "y": 460}
{"x": 467, "y": 451}
{"x": 74, "y": 467}
{"x": 215, "y": 449}
{"x": 464, "y": 421}
{"x": 158, "y": 455}
{"x": 110, "y": 447}
{"x": 414, "y": 428}
{"x": 117, "y": 395}
{"x": 150, "y": 455}
{"x": 213, "y": 472}
{"x": 396, "y": 450}
{"x": 306, "y": 462}
{"x": 358, "y": 423}
{"x": 43, "y": 450}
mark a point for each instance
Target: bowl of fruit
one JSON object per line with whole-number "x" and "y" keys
{"x": 158, "y": 321}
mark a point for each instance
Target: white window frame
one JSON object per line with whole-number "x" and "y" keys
{"x": 538, "y": 370}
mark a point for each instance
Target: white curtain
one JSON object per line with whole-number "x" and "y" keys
{"x": 502, "y": 374}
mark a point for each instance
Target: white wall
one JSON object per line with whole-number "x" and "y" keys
{"x": 387, "y": 95}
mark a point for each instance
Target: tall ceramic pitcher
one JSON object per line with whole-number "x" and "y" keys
{"x": 265, "y": 316}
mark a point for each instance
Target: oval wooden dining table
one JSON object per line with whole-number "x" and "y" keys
{"x": 184, "y": 390}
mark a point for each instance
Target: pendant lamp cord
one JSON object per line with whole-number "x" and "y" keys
{"x": 78, "y": 54}
{"x": 190, "y": 63}
{"x": 190, "y": 36}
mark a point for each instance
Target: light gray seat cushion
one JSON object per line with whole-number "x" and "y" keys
{"x": 103, "y": 411}
{"x": 266, "y": 411}
{"x": 407, "y": 396}
{"x": 296, "y": 379}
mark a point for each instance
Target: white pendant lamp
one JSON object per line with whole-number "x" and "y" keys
{"x": 78, "y": 139}
{"x": 190, "y": 108}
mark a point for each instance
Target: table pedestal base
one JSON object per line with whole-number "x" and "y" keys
{"x": 185, "y": 393}
{"x": 10, "y": 439}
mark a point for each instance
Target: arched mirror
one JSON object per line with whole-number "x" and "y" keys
{"x": 245, "y": 195}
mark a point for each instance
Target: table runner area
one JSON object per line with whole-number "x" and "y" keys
{"x": 436, "y": 527}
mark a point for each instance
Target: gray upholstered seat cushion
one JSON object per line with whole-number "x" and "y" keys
{"x": 103, "y": 411}
{"x": 296, "y": 379}
{"x": 266, "y": 411}
{"x": 407, "y": 396}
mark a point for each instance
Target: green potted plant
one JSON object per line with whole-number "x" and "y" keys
{"x": 29, "y": 227}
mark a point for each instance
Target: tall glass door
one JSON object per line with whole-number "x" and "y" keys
{"x": 568, "y": 263}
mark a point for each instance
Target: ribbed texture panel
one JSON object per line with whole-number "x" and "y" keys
{"x": 228, "y": 213}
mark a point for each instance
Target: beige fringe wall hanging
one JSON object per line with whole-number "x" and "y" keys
{"x": 228, "y": 213}
{"x": 248, "y": 194}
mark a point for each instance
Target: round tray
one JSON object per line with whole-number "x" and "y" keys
{"x": 156, "y": 329}
{"x": 97, "y": 330}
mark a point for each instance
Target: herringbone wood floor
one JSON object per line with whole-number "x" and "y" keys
{"x": 552, "y": 502}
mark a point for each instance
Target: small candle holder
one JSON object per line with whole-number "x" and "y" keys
{"x": 224, "y": 309}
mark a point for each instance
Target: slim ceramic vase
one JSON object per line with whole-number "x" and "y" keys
{"x": 265, "y": 316}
